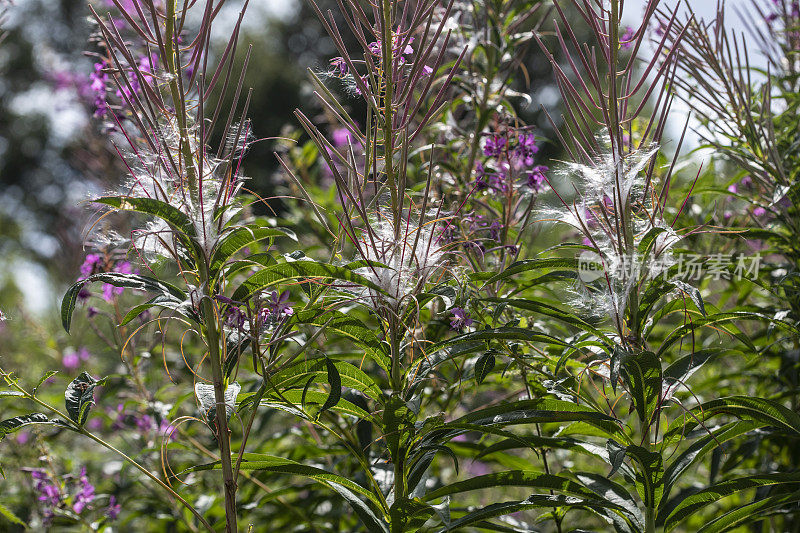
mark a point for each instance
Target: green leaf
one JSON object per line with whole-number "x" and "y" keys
{"x": 79, "y": 397}
{"x": 6, "y": 513}
{"x": 349, "y": 490}
{"x": 694, "y": 502}
{"x": 128, "y": 281}
{"x": 541, "y": 410}
{"x": 483, "y": 366}
{"x": 150, "y": 206}
{"x": 296, "y": 396}
{"x": 649, "y": 239}
{"x": 504, "y": 334}
{"x": 534, "y": 502}
{"x": 650, "y": 475}
{"x": 719, "y": 321}
{"x": 47, "y": 375}
{"x": 351, "y": 327}
{"x": 693, "y": 292}
{"x": 750, "y": 513}
{"x": 753, "y": 408}
{"x": 533, "y": 264}
{"x": 12, "y": 425}
{"x": 701, "y": 447}
{"x": 642, "y": 375}
{"x": 513, "y": 478}
{"x": 164, "y": 301}
{"x": 241, "y": 237}
{"x": 351, "y": 376}
{"x": 542, "y": 308}
{"x": 335, "y": 382}
{"x": 305, "y": 270}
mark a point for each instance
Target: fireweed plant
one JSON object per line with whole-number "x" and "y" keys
{"x": 418, "y": 357}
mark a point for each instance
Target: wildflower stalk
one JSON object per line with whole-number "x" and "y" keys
{"x": 86, "y": 433}
{"x": 388, "y": 133}
{"x": 223, "y": 438}
{"x": 177, "y": 100}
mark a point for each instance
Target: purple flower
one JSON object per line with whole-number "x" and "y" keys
{"x": 70, "y": 360}
{"x": 143, "y": 423}
{"x": 278, "y": 306}
{"x": 49, "y": 493}
{"x": 341, "y": 137}
{"x": 494, "y": 146}
{"x": 110, "y": 291}
{"x": 759, "y": 212}
{"x": 733, "y": 188}
{"x": 86, "y": 494}
{"x": 626, "y": 41}
{"x": 426, "y": 70}
{"x": 536, "y": 177}
{"x": 526, "y": 150}
{"x": 113, "y": 510}
{"x": 338, "y": 67}
{"x": 460, "y": 319}
{"x": 485, "y": 180}
{"x": 91, "y": 265}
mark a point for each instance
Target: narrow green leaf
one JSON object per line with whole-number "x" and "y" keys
{"x": 642, "y": 374}
{"x": 6, "y": 513}
{"x": 79, "y": 397}
{"x": 150, "y": 206}
{"x": 305, "y": 270}
{"x": 12, "y": 425}
{"x": 241, "y": 237}
{"x": 532, "y": 265}
{"x": 694, "y": 502}
{"x": 128, "y": 281}
{"x": 335, "y": 382}
{"x": 750, "y": 513}
{"x": 483, "y": 366}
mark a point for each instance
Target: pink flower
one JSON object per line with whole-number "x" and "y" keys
{"x": 71, "y": 360}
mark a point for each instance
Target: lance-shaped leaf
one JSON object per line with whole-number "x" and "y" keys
{"x": 753, "y": 512}
{"x": 529, "y": 265}
{"x": 766, "y": 412}
{"x": 127, "y": 281}
{"x": 79, "y": 397}
{"x": 649, "y": 475}
{"x": 541, "y": 410}
{"x": 346, "y": 488}
{"x": 605, "y": 509}
{"x": 241, "y": 237}
{"x": 694, "y": 502}
{"x": 335, "y": 382}
{"x": 351, "y": 327}
{"x": 641, "y": 373}
{"x": 483, "y": 366}
{"x": 12, "y": 425}
{"x": 150, "y": 206}
{"x": 296, "y": 375}
{"x": 712, "y": 439}
{"x": 305, "y": 270}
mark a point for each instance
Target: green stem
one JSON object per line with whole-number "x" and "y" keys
{"x": 388, "y": 130}
{"x": 177, "y": 99}
{"x": 223, "y": 434}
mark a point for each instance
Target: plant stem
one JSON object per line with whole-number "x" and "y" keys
{"x": 223, "y": 433}
{"x": 177, "y": 100}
